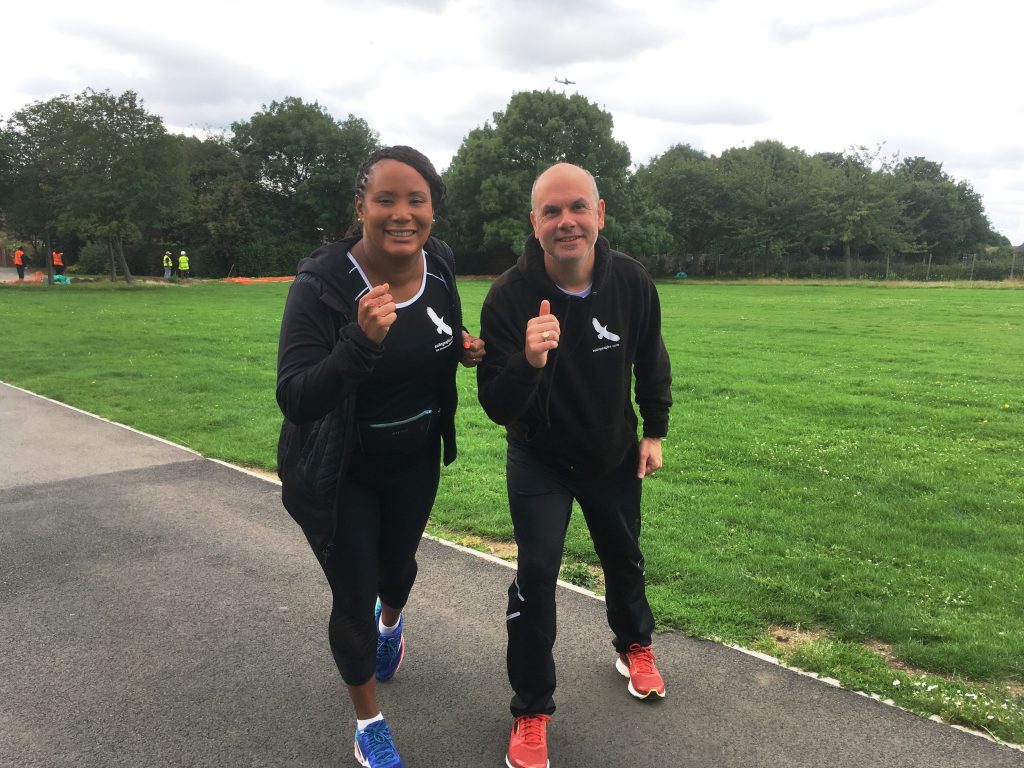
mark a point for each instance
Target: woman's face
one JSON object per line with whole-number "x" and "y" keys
{"x": 396, "y": 210}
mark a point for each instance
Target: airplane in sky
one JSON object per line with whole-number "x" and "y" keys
{"x": 565, "y": 81}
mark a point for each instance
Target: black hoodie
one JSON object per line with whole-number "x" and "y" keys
{"x": 323, "y": 356}
{"x": 576, "y": 412}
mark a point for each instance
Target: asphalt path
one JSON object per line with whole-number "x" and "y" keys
{"x": 161, "y": 609}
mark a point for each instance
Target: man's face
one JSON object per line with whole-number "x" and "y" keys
{"x": 566, "y": 217}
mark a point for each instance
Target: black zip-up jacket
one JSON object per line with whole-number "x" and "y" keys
{"x": 576, "y": 412}
{"x": 322, "y": 358}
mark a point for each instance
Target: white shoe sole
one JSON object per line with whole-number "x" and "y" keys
{"x": 624, "y": 671}
{"x": 509, "y": 763}
{"x": 359, "y": 756}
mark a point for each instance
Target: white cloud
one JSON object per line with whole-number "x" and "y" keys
{"x": 926, "y": 77}
{"x": 534, "y": 34}
{"x": 805, "y": 19}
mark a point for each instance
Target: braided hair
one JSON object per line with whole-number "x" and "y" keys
{"x": 403, "y": 154}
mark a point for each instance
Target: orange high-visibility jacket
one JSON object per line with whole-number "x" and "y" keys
{"x": 19, "y": 257}
{"x": 58, "y": 258}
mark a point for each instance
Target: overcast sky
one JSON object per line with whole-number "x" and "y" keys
{"x": 937, "y": 78}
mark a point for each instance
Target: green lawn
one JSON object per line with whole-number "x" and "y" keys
{"x": 847, "y": 459}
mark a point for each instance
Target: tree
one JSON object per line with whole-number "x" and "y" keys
{"x": 6, "y": 172}
{"x": 220, "y": 226}
{"x": 644, "y": 233}
{"x": 978, "y": 230}
{"x": 767, "y": 204}
{"x": 490, "y": 177}
{"x": 304, "y": 164}
{"x": 864, "y": 206}
{"x": 932, "y": 205}
{"x": 687, "y": 184}
{"x": 97, "y": 166}
{"x": 35, "y": 147}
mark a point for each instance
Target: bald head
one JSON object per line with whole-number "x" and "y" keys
{"x": 563, "y": 172}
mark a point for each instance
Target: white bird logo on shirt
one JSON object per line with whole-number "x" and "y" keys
{"x": 442, "y": 326}
{"x": 603, "y": 332}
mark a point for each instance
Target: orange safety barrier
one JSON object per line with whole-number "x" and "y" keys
{"x": 246, "y": 280}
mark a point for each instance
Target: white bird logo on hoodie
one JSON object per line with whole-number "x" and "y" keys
{"x": 603, "y": 332}
{"x": 442, "y": 326}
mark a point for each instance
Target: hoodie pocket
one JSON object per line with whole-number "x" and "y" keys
{"x": 320, "y": 461}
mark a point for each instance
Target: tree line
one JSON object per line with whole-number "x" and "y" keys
{"x": 101, "y": 176}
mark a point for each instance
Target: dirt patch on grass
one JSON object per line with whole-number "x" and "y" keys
{"x": 794, "y": 637}
{"x": 788, "y": 638}
{"x": 885, "y": 651}
{"x": 504, "y": 550}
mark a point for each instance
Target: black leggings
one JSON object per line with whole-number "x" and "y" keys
{"x": 385, "y": 505}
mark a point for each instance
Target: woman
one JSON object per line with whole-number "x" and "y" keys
{"x": 370, "y": 341}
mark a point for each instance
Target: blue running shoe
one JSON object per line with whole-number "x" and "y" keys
{"x": 390, "y": 650}
{"x": 375, "y": 747}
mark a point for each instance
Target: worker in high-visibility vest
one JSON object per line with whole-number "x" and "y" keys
{"x": 168, "y": 265}
{"x": 182, "y": 265}
{"x": 58, "y": 262}
{"x": 19, "y": 262}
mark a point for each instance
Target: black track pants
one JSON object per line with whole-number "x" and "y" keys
{"x": 386, "y": 503}
{"x": 540, "y": 500}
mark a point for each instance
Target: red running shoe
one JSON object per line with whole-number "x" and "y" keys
{"x": 638, "y": 665}
{"x": 528, "y": 742}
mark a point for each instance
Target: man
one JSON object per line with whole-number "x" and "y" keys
{"x": 566, "y": 328}
{"x": 19, "y": 262}
{"x": 168, "y": 265}
{"x": 183, "y": 265}
{"x": 58, "y": 261}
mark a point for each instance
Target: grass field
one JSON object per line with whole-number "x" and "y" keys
{"x": 844, "y": 479}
